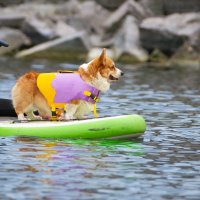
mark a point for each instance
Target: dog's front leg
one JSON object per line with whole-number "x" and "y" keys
{"x": 71, "y": 110}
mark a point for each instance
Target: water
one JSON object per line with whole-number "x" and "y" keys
{"x": 162, "y": 164}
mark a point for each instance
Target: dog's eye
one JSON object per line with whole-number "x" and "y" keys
{"x": 112, "y": 67}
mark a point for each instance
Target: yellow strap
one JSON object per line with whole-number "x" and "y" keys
{"x": 95, "y": 111}
{"x": 53, "y": 111}
{"x": 65, "y": 108}
{"x": 87, "y": 93}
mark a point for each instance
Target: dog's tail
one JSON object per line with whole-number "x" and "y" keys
{"x": 31, "y": 75}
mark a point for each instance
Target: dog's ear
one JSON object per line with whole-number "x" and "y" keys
{"x": 102, "y": 57}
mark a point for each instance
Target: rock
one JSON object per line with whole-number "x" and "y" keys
{"x": 38, "y": 29}
{"x": 127, "y": 40}
{"x": 11, "y": 20}
{"x": 30, "y": 9}
{"x": 17, "y": 2}
{"x": 62, "y": 29}
{"x": 129, "y": 7}
{"x": 111, "y": 5}
{"x": 156, "y": 39}
{"x": 10, "y": 2}
{"x": 195, "y": 41}
{"x": 182, "y": 24}
{"x": 169, "y": 33}
{"x": 181, "y": 6}
{"x": 69, "y": 8}
{"x": 156, "y": 6}
{"x": 15, "y": 39}
{"x": 78, "y": 23}
{"x": 167, "y": 7}
{"x": 157, "y": 56}
{"x": 186, "y": 56}
{"x": 70, "y": 46}
{"x": 87, "y": 19}
{"x": 95, "y": 52}
{"x": 97, "y": 41}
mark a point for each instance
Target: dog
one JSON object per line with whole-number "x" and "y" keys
{"x": 27, "y": 96}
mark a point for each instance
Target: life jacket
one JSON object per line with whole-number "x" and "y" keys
{"x": 61, "y": 88}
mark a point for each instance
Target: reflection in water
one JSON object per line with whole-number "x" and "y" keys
{"x": 71, "y": 162}
{"x": 162, "y": 164}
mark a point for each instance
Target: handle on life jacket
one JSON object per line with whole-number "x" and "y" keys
{"x": 65, "y": 71}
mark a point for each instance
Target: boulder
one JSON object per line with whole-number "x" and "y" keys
{"x": 195, "y": 41}
{"x": 155, "y": 6}
{"x": 86, "y": 17}
{"x": 167, "y": 7}
{"x": 130, "y": 7}
{"x": 95, "y": 52}
{"x": 97, "y": 41}
{"x": 69, "y": 8}
{"x": 155, "y": 39}
{"x": 111, "y": 5}
{"x": 11, "y": 2}
{"x": 182, "y": 24}
{"x": 186, "y": 56}
{"x": 127, "y": 41}
{"x": 62, "y": 29}
{"x": 189, "y": 53}
{"x": 17, "y": 2}
{"x": 39, "y": 29}
{"x": 169, "y": 33}
{"x": 15, "y": 39}
{"x": 11, "y": 20}
{"x": 70, "y": 46}
{"x": 181, "y": 6}
{"x": 157, "y": 57}
{"x": 31, "y": 9}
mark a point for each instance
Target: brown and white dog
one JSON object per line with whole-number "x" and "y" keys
{"x": 27, "y": 97}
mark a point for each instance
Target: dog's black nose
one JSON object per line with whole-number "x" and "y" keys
{"x": 122, "y": 73}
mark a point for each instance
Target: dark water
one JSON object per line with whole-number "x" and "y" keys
{"x": 162, "y": 164}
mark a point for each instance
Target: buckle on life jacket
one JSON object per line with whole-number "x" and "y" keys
{"x": 92, "y": 96}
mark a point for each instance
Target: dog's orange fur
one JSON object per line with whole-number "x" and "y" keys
{"x": 26, "y": 95}
{"x": 96, "y": 66}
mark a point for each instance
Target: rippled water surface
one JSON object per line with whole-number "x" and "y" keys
{"x": 162, "y": 164}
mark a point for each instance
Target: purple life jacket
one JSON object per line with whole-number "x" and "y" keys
{"x": 70, "y": 86}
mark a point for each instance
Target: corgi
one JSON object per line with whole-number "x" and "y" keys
{"x": 98, "y": 74}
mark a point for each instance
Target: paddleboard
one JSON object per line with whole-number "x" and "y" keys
{"x": 124, "y": 126}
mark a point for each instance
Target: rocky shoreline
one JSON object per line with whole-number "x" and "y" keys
{"x": 161, "y": 31}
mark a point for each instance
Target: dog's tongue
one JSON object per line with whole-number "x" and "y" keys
{"x": 112, "y": 78}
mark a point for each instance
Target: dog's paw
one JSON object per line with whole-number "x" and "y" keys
{"x": 69, "y": 117}
{"x": 37, "y": 117}
{"x": 21, "y": 117}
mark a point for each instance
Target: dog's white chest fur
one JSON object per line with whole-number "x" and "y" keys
{"x": 84, "y": 108}
{"x": 78, "y": 111}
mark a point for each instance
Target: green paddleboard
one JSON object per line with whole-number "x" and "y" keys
{"x": 125, "y": 126}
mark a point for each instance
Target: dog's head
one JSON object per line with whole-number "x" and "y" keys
{"x": 101, "y": 69}
{"x": 107, "y": 68}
